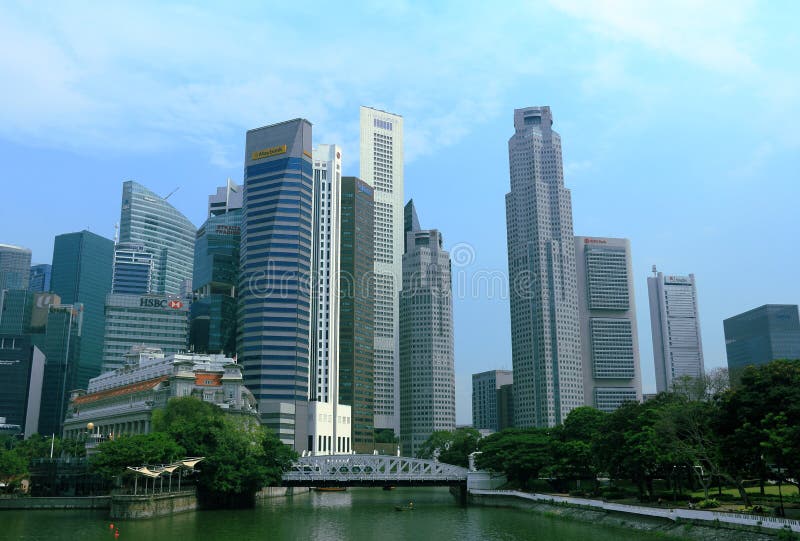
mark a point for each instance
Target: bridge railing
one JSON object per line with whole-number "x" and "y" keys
{"x": 376, "y": 468}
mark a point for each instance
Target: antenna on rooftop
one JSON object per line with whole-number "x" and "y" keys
{"x": 172, "y": 192}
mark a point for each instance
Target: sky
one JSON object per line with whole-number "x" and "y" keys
{"x": 678, "y": 123}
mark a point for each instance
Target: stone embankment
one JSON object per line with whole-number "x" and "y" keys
{"x": 682, "y": 523}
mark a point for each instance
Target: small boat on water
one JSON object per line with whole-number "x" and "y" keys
{"x": 409, "y": 507}
{"x": 330, "y": 489}
{"x": 388, "y": 488}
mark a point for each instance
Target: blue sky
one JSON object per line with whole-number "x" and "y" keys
{"x": 678, "y": 122}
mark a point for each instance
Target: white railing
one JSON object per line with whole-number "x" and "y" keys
{"x": 371, "y": 468}
{"x": 671, "y": 514}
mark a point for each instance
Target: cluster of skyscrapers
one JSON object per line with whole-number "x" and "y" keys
{"x": 337, "y": 309}
{"x": 573, "y": 312}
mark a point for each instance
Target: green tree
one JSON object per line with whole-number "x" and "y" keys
{"x": 114, "y": 456}
{"x": 13, "y": 466}
{"x": 451, "y": 446}
{"x": 574, "y": 445}
{"x": 521, "y": 453}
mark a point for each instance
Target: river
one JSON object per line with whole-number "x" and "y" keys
{"x": 361, "y": 513}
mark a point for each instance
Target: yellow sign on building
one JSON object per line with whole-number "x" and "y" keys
{"x": 268, "y": 152}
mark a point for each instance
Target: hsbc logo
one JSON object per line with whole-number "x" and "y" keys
{"x": 150, "y": 302}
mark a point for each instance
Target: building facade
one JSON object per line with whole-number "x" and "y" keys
{"x": 158, "y": 321}
{"x": 381, "y": 166}
{"x": 148, "y": 220}
{"x": 675, "y": 325}
{"x": 22, "y": 374}
{"x": 610, "y": 343}
{"x": 274, "y": 297}
{"x": 427, "y": 371}
{"x": 216, "y": 274}
{"x": 134, "y": 269}
{"x": 40, "y": 278}
{"x": 545, "y": 330}
{"x": 486, "y": 400}
{"x": 356, "y": 309}
{"x": 762, "y": 335}
{"x": 122, "y": 402}
{"x": 15, "y": 267}
{"x": 82, "y": 272}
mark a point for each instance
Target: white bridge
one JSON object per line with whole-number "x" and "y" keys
{"x": 372, "y": 470}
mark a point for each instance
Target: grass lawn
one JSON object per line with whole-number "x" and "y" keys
{"x": 769, "y": 490}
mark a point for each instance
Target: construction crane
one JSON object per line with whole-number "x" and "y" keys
{"x": 172, "y": 192}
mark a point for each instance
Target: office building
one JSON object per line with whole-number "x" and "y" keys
{"x": 274, "y": 299}
{"x": 427, "y": 372}
{"x": 16, "y": 308}
{"x": 381, "y": 166}
{"x": 134, "y": 269}
{"x": 356, "y": 309}
{"x": 15, "y": 266}
{"x": 40, "y": 278}
{"x": 148, "y": 220}
{"x": 675, "y": 325}
{"x": 122, "y": 402}
{"x": 157, "y": 321}
{"x": 213, "y": 316}
{"x": 610, "y": 343}
{"x": 545, "y": 329}
{"x": 761, "y": 335}
{"x": 82, "y": 270}
{"x": 505, "y": 406}
{"x": 486, "y": 399}
{"x": 22, "y": 373}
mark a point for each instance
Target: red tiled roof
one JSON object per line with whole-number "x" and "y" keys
{"x": 120, "y": 391}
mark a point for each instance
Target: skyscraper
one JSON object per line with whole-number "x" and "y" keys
{"x": 675, "y": 325}
{"x": 761, "y": 335}
{"x": 427, "y": 372}
{"x": 134, "y": 269}
{"x": 82, "y": 270}
{"x": 150, "y": 221}
{"x": 216, "y": 274}
{"x": 357, "y": 309}
{"x": 545, "y": 330}
{"x": 487, "y": 399}
{"x": 40, "y": 278}
{"x": 15, "y": 267}
{"x": 274, "y": 297}
{"x": 610, "y": 343}
{"x": 381, "y": 166}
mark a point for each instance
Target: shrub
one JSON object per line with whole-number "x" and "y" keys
{"x": 710, "y": 503}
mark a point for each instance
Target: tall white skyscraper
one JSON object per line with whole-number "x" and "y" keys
{"x": 677, "y": 346}
{"x": 328, "y": 421}
{"x": 381, "y": 166}
{"x": 427, "y": 374}
{"x": 545, "y": 328}
{"x": 610, "y": 344}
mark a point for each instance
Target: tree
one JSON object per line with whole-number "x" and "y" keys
{"x": 13, "y": 466}
{"x": 574, "y": 445}
{"x": 114, "y": 456}
{"x": 451, "y": 446}
{"x": 521, "y": 453}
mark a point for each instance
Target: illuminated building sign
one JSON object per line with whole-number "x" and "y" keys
{"x": 153, "y": 302}
{"x": 268, "y": 152}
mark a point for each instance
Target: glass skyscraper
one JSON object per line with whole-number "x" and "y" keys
{"x": 15, "y": 267}
{"x": 150, "y": 221}
{"x": 40, "y": 278}
{"x": 357, "y": 309}
{"x": 215, "y": 280}
{"x": 82, "y": 270}
{"x": 545, "y": 328}
{"x": 274, "y": 296}
{"x": 134, "y": 269}
{"x": 762, "y": 335}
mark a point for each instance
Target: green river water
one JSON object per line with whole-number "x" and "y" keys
{"x": 364, "y": 513}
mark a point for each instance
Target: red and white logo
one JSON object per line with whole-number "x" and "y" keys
{"x": 176, "y": 304}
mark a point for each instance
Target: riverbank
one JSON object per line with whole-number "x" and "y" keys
{"x": 75, "y": 502}
{"x": 680, "y": 523}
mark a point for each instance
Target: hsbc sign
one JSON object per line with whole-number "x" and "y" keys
{"x": 154, "y": 302}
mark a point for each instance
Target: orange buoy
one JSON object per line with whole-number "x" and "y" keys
{"x": 111, "y": 526}
{"x": 116, "y": 534}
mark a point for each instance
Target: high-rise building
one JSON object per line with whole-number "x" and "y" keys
{"x": 356, "y": 309}
{"x": 505, "y": 406}
{"x": 545, "y": 328}
{"x": 427, "y": 372}
{"x": 761, "y": 335}
{"x": 155, "y": 321}
{"x": 381, "y": 166}
{"x": 329, "y": 421}
{"x": 21, "y": 371}
{"x": 675, "y": 325}
{"x": 40, "y": 278}
{"x": 150, "y": 221}
{"x": 134, "y": 269}
{"x": 610, "y": 343}
{"x": 15, "y": 267}
{"x": 16, "y": 307}
{"x": 216, "y": 274}
{"x": 274, "y": 297}
{"x": 82, "y": 270}
{"x": 486, "y": 399}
